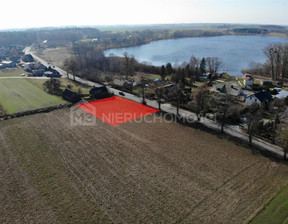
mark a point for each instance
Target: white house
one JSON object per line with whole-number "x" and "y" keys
{"x": 260, "y": 97}
{"x": 282, "y": 94}
{"x": 248, "y": 80}
{"x": 249, "y": 100}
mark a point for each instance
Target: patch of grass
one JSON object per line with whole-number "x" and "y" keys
{"x": 227, "y": 77}
{"x": 276, "y": 211}
{"x": 18, "y": 95}
{"x": 64, "y": 83}
{"x": 12, "y": 72}
{"x": 257, "y": 81}
{"x": 56, "y": 56}
{"x": 241, "y": 81}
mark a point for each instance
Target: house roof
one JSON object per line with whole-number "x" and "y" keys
{"x": 71, "y": 96}
{"x": 263, "y": 95}
{"x": 98, "y": 89}
{"x": 228, "y": 89}
{"x": 168, "y": 85}
{"x": 282, "y": 94}
{"x": 232, "y": 90}
{"x": 219, "y": 86}
{"x": 119, "y": 82}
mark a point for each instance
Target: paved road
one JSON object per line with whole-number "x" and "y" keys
{"x": 231, "y": 130}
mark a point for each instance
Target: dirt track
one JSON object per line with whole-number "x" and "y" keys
{"x": 131, "y": 173}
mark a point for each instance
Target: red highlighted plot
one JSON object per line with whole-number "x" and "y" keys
{"x": 116, "y": 110}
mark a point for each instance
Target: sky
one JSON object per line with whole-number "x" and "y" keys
{"x": 50, "y": 13}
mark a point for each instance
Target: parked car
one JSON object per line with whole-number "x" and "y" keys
{"x": 121, "y": 94}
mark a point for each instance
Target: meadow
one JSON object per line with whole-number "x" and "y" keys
{"x": 18, "y": 95}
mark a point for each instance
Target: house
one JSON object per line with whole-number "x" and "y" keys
{"x": 52, "y": 73}
{"x": 229, "y": 89}
{"x": 29, "y": 67}
{"x": 38, "y": 65}
{"x": 267, "y": 83}
{"x": 27, "y": 58}
{"x": 71, "y": 96}
{"x": 166, "y": 89}
{"x": 282, "y": 94}
{"x": 220, "y": 87}
{"x": 38, "y": 73}
{"x": 168, "y": 86}
{"x": 247, "y": 76}
{"x": 260, "y": 97}
{"x": 248, "y": 80}
{"x": 99, "y": 92}
{"x": 122, "y": 84}
{"x": 7, "y": 64}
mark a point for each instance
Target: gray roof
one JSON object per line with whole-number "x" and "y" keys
{"x": 118, "y": 82}
{"x": 228, "y": 89}
{"x": 232, "y": 90}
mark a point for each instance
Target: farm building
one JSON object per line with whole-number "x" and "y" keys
{"x": 260, "y": 97}
{"x": 71, "y": 96}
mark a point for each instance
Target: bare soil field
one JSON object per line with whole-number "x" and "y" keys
{"x": 137, "y": 172}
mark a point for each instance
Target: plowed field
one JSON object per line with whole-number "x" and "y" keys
{"x": 137, "y": 172}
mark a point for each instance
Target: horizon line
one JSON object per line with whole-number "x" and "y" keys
{"x": 127, "y": 25}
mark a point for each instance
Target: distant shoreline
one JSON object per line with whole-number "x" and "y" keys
{"x": 279, "y": 35}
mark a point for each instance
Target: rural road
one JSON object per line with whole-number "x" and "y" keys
{"x": 231, "y": 130}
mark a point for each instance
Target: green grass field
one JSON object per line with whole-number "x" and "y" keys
{"x": 11, "y": 72}
{"x": 64, "y": 83}
{"x": 276, "y": 211}
{"x": 17, "y": 95}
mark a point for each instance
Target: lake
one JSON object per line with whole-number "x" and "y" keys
{"x": 236, "y": 51}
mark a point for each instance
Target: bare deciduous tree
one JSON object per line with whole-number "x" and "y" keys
{"x": 277, "y": 60}
{"x": 214, "y": 64}
{"x": 199, "y": 98}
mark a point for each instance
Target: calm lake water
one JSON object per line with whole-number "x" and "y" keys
{"x": 236, "y": 51}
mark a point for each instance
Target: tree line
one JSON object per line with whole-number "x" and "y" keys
{"x": 89, "y": 61}
{"x": 276, "y": 65}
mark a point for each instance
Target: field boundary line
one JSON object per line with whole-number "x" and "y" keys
{"x": 36, "y": 111}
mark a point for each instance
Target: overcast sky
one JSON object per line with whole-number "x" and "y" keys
{"x": 39, "y": 13}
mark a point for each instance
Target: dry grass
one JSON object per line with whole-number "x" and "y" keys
{"x": 55, "y": 56}
{"x": 137, "y": 172}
